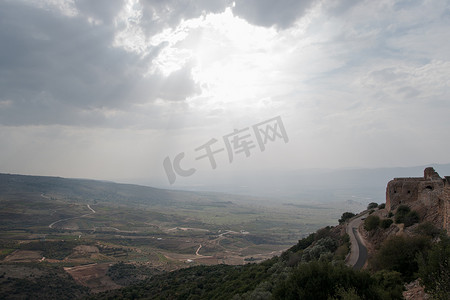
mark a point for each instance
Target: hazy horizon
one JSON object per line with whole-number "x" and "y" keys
{"x": 312, "y": 186}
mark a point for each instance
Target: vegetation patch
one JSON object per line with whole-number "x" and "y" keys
{"x": 51, "y": 249}
{"x": 386, "y": 223}
{"x": 346, "y": 216}
{"x": 406, "y": 216}
{"x": 372, "y": 205}
{"x": 434, "y": 269}
{"x": 371, "y": 222}
{"x": 399, "y": 253}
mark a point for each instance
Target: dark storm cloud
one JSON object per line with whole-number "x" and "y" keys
{"x": 281, "y": 14}
{"x": 61, "y": 70}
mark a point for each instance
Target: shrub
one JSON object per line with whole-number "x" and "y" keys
{"x": 328, "y": 243}
{"x": 399, "y": 253}
{"x": 371, "y": 222}
{"x": 428, "y": 229}
{"x": 406, "y": 216}
{"x": 341, "y": 252}
{"x": 434, "y": 269}
{"x": 386, "y": 223}
{"x": 303, "y": 243}
{"x": 390, "y": 283}
{"x": 411, "y": 218}
{"x": 382, "y": 205}
{"x": 399, "y": 219}
{"x": 293, "y": 259}
{"x": 390, "y": 214}
{"x": 345, "y": 238}
{"x": 321, "y": 280}
{"x": 346, "y": 216}
{"x": 322, "y": 247}
{"x": 402, "y": 211}
{"x": 372, "y": 205}
{"x": 344, "y": 247}
{"x": 323, "y": 233}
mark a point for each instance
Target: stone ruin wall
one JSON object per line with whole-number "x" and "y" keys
{"x": 428, "y": 195}
{"x": 447, "y": 204}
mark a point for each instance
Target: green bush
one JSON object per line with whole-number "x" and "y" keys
{"x": 345, "y": 239}
{"x": 386, "y": 223}
{"x": 343, "y": 249}
{"x": 372, "y": 205}
{"x": 303, "y": 243}
{"x": 371, "y": 223}
{"x": 346, "y": 216}
{"x": 321, "y": 280}
{"x": 406, "y": 216}
{"x": 402, "y": 211}
{"x": 411, "y": 218}
{"x": 390, "y": 214}
{"x": 428, "y": 229}
{"x": 322, "y": 247}
{"x": 391, "y": 284}
{"x": 399, "y": 253}
{"x": 382, "y": 205}
{"x": 323, "y": 233}
{"x": 434, "y": 269}
{"x": 341, "y": 252}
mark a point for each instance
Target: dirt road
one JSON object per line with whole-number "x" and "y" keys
{"x": 67, "y": 219}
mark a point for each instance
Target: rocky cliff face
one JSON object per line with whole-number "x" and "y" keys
{"x": 428, "y": 195}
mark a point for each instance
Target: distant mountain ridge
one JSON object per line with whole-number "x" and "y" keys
{"x": 85, "y": 190}
{"x": 303, "y": 186}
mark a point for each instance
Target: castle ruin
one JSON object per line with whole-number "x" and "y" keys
{"x": 428, "y": 195}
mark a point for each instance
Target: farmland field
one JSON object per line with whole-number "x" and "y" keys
{"x": 67, "y": 223}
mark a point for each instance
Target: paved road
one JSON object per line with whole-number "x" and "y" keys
{"x": 358, "y": 252}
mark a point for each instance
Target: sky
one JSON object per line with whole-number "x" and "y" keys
{"x": 140, "y": 90}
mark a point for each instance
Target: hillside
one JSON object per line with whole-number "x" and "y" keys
{"x": 408, "y": 252}
{"x": 315, "y": 269}
{"x": 70, "y": 238}
{"x": 88, "y": 233}
{"x": 89, "y": 191}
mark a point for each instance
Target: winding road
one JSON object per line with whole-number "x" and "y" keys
{"x": 66, "y": 219}
{"x": 358, "y": 251}
{"x": 199, "y": 247}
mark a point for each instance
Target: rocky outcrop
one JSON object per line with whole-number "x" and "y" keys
{"x": 428, "y": 195}
{"x": 414, "y": 291}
